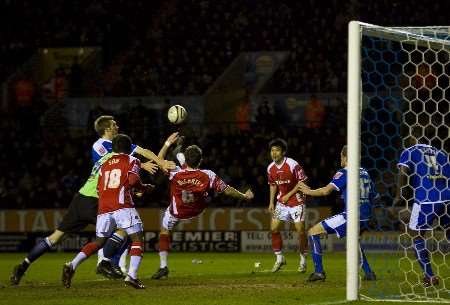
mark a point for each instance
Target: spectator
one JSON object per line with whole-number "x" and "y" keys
{"x": 314, "y": 113}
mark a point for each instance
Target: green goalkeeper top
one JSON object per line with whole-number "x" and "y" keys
{"x": 89, "y": 189}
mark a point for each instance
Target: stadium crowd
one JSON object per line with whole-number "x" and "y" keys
{"x": 176, "y": 53}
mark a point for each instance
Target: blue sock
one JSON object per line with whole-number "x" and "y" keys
{"x": 423, "y": 256}
{"x": 41, "y": 247}
{"x": 316, "y": 251}
{"x": 116, "y": 257}
{"x": 112, "y": 245}
{"x": 364, "y": 263}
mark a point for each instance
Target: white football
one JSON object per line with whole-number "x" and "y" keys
{"x": 176, "y": 114}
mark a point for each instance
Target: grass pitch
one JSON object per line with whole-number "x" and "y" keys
{"x": 219, "y": 279}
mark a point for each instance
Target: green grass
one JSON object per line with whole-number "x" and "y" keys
{"x": 220, "y": 279}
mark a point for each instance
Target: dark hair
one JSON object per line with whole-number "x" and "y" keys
{"x": 193, "y": 156}
{"x": 279, "y": 143}
{"x": 121, "y": 144}
{"x": 101, "y": 123}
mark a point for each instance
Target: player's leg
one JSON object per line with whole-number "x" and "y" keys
{"x": 104, "y": 227}
{"x": 37, "y": 251}
{"x": 369, "y": 275}
{"x": 164, "y": 247}
{"x": 119, "y": 257}
{"x": 280, "y": 214}
{"x": 422, "y": 217}
{"x": 86, "y": 252}
{"x": 72, "y": 222}
{"x": 123, "y": 258}
{"x": 136, "y": 253}
{"x": 106, "y": 267}
{"x": 314, "y": 234}
{"x": 298, "y": 216}
{"x": 168, "y": 223}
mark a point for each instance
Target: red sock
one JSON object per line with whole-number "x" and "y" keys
{"x": 164, "y": 242}
{"x": 137, "y": 249}
{"x": 277, "y": 242}
{"x": 90, "y": 249}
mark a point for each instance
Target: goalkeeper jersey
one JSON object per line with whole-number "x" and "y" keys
{"x": 89, "y": 188}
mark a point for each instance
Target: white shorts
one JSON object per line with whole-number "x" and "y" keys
{"x": 169, "y": 221}
{"x": 429, "y": 215}
{"x": 125, "y": 219}
{"x": 286, "y": 213}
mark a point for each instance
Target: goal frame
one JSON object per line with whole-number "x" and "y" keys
{"x": 356, "y": 30}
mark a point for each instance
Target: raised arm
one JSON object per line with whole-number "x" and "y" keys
{"x": 170, "y": 140}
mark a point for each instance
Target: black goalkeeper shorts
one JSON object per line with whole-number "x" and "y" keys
{"x": 82, "y": 212}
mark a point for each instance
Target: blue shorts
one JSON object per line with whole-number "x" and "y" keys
{"x": 424, "y": 214}
{"x": 337, "y": 224}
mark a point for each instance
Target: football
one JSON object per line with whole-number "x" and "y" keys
{"x": 176, "y": 114}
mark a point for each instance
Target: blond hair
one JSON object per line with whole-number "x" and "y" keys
{"x": 102, "y": 123}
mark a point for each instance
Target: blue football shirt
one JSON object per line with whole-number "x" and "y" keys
{"x": 102, "y": 146}
{"x": 429, "y": 172}
{"x": 367, "y": 191}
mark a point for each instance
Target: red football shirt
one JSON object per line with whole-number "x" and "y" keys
{"x": 189, "y": 190}
{"x": 113, "y": 184}
{"x": 285, "y": 176}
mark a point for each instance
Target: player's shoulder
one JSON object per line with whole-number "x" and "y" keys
{"x": 102, "y": 146}
{"x": 131, "y": 158}
{"x": 291, "y": 162}
{"x": 418, "y": 148}
{"x": 211, "y": 174}
{"x": 270, "y": 166}
{"x": 340, "y": 173}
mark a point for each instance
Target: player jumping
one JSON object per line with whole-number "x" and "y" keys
{"x": 82, "y": 210}
{"x": 118, "y": 175}
{"x": 107, "y": 128}
{"x": 189, "y": 188}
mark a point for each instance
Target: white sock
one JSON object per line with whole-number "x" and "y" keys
{"x": 123, "y": 260}
{"x": 279, "y": 255}
{"x": 302, "y": 259}
{"x": 100, "y": 256}
{"x": 163, "y": 259}
{"x": 135, "y": 261}
{"x": 78, "y": 260}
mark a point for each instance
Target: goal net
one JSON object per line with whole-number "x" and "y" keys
{"x": 398, "y": 91}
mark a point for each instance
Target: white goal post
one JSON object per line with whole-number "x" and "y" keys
{"x": 431, "y": 38}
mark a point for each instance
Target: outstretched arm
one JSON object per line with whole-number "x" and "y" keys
{"x": 164, "y": 164}
{"x": 232, "y": 192}
{"x": 323, "y": 191}
{"x": 294, "y": 190}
